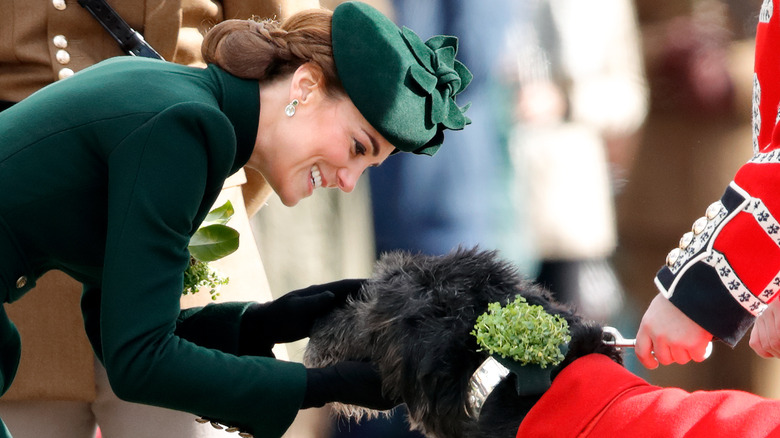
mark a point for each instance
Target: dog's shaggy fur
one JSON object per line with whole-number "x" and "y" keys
{"x": 413, "y": 319}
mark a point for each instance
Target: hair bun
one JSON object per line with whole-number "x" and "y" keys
{"x": 267, "y": 49}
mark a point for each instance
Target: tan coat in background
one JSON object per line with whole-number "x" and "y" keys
{"x": 31, "y": 55}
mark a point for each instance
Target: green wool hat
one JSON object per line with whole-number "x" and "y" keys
{"x": 403, "y": 86}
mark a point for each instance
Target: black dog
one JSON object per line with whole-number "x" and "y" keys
{"x": 413, "y": 319}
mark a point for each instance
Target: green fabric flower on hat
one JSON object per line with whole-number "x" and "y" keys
{"x": 441, "y": 76}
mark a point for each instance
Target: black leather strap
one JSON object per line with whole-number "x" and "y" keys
{"x": 130, "y": 41}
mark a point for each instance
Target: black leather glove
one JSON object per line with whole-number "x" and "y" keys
{"x": 354, "y": 383}
{"x": 291, "y": 316}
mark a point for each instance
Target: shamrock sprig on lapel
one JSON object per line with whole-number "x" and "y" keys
{"x": 212, "y": 241}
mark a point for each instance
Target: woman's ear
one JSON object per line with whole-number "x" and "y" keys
{"x": 306, "y": 83}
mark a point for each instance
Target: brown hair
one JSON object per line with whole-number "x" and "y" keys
{"x": 267, "y": 50}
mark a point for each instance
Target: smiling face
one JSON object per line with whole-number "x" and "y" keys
{"x": 326, "y": 143}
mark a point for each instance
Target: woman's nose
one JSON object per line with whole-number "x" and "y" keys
{"x": 348, "y": 178}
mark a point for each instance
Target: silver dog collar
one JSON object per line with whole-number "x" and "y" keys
{"x": 484, "y": 380}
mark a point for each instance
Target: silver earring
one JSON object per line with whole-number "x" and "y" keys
{"x": 290, "y": 108}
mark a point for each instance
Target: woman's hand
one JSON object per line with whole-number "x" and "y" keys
{"x": 666, "y": 335}
{"x": 291, "y": 316}
{"x": 765, "y": 337}
{"x": 354, "y": 383}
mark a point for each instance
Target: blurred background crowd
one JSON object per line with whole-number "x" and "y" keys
{"x": 600, "y": 130}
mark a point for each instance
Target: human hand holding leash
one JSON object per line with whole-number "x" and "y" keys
{"x": 613, "y": 337}
{"x": 765, "y": 337}
{"x": 666, "y": 335}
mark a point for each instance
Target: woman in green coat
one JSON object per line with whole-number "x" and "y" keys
{"x": 126, "y": 158}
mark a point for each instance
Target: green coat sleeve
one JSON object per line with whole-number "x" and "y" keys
{"x": 215, "y": 326}
{"x": 159, "y": 181}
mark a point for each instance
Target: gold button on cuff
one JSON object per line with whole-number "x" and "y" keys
{"x": 686, "y": 240}
{"x": 21, "y": 282}
{"x": 699, "y": 225}
{"x": 60, "y": 41}
{"x": 714, "y": 210}
{"x": 63, "y": 57}
{"x": 65, "y": 73}
{"x": 672, "y": 257}
{"x": 60, "y": 5}
{"x": 245, "y": 435}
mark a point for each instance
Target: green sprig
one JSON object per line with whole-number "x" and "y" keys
{"x": 199, "y": 274}
{"x": 522, "y": 332}
{"x": 212, "y": 241}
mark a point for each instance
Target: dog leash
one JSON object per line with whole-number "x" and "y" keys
{"x": 613, "y": 337}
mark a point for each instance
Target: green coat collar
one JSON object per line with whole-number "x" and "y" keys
{"x": 239, "y": 99}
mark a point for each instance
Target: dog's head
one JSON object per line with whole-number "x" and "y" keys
{"x": 414, "y": 318}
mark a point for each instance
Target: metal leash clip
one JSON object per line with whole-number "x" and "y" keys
{"x": 611, "y": 336}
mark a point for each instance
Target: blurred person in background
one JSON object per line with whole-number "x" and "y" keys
{"x": 581, "y": 102}
{"x": 469, "y": 206}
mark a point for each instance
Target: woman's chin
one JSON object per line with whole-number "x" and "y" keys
{"x": 290, "y": 202}
{"x": 289, "y": 196}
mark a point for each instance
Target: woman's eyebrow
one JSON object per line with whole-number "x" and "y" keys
{"x": 374, "y": 147}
